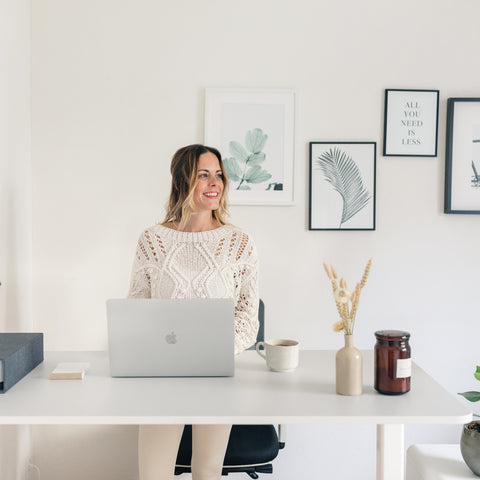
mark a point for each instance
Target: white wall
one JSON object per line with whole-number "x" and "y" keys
{"x": 15, "y": 167}
{"x": 15, "y": 204}
{"x": 118, "y": 86}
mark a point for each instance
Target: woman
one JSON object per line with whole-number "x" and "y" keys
{"x": 195, "y": 253}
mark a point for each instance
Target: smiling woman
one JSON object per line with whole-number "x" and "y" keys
{"x": 197, "y": 173}
{"x": 194, "y": 253}
{"x": 209, "y": 187}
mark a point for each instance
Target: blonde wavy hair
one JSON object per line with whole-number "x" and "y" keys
{"x": 184, "y": 170}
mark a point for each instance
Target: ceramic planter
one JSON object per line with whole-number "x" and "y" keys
{"x": 470, "y": 446}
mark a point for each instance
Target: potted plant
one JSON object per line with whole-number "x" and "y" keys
{"x": 470, "y": 440}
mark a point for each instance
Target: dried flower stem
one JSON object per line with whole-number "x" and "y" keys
{"x": 347, "y": 315}
{"x": 334, "y": 273}
{"x": 358, "y": 289}
{"x": 365, "y": 273}
{"x": 325, "y": 266}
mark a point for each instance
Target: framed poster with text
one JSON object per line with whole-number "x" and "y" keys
{"x": 411, "y": 123}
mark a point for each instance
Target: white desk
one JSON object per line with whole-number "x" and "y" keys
{"x": 254, "y": 396}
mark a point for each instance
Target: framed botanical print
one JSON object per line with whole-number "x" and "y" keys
{"x": 254, "y": 131}
{"x": 462, "y": 159}
{"x": 342, "y": 185}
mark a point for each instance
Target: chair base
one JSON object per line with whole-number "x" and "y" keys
{"x": 252, "y": 471}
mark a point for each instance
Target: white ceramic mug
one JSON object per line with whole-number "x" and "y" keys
{"x": 281, "y": 355}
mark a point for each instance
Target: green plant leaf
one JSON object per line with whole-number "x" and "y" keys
{"x": 256, "y": 174}
{"x": 238, "y": 151}
{"x": 255, "y": 140}
{"x": 244, "y": 187}
{"x": 234, "y": 172}
{"x": 477, "y": 373}
{"x": 471, "y": 396}
{"x": 256, "y": 159}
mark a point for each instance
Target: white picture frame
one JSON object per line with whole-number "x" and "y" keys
{"x": 254, "y": 129}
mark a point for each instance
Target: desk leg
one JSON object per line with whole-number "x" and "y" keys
{"x": 390, "y": 452}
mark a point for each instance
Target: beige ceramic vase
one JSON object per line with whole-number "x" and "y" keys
{"x": 348, "y": 369}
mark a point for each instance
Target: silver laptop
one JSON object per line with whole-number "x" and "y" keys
{"x": 171, "y": 338}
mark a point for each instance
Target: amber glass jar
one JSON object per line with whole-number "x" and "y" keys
{"x": 393, "y": 365}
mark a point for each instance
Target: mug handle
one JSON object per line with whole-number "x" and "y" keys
{"x": 257, "y": 348}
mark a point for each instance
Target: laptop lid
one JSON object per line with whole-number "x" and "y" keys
{"x": 151, "y": 337}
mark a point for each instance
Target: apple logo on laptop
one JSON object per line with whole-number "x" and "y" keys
{"x": 171, "y": 338}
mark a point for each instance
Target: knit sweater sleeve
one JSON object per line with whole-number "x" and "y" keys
{"x": 140, "y": 277}
{"x": 246, "y": 295}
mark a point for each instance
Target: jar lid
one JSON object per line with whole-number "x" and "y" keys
{"x": 394, "y": 335}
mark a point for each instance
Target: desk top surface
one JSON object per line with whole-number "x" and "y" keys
{"x": 253, "y": 395}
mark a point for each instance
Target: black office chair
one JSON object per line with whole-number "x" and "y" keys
{"x": 250, "y": 449}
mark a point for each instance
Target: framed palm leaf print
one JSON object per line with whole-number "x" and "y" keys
{"x": 342, "y": 185}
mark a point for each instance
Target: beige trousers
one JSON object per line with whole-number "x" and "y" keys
{"x": 158, "y": 448}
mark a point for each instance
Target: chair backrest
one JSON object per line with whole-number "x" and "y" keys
{"x": 261, "y": 324}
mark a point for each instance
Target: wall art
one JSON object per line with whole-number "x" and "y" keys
{"x": 411, "y": 123}
{"x": 254, "y": 131}
{"x": 462, "y": 159}
{"x": 342, "y": 185}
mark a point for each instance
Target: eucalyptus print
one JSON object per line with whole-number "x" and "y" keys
{"x": 245, "y": 164}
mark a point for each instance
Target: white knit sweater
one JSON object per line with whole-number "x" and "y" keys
{"x": 220, "y": 263}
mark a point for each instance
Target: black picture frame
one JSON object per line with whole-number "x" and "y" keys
{"x": 411, "y": 123}
{"x": 462, "y": 156}
{"x": 342, "y": 188}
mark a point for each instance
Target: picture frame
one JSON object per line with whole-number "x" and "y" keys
{"x": 342, "y": 191}
{"x": 462, "y": 157}
{"x": 254, "y": 129}
{"x": 411, "y": 123}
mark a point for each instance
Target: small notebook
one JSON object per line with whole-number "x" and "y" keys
{"x": 69, "y": 371}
